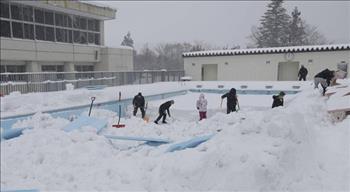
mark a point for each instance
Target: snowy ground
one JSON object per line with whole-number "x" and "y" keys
{"x": 295, "y": 147}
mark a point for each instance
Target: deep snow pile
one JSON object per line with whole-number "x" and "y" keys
{"x": 295, "y": 147}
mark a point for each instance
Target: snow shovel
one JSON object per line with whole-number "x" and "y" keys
{"x": 119, "y": 114}
{"x": 92, "y": 102}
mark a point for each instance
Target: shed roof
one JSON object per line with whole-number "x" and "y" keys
{"x": 271, "y": 50}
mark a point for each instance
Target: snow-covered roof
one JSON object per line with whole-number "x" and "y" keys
{"x": 312, "y": 48}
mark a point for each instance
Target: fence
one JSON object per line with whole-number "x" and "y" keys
{"x": 56, "y": 81}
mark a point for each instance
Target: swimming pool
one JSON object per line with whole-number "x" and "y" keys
{"x": 68, "y": 113}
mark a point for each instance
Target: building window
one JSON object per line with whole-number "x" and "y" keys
{"x": 27, "y": 13}
{"x": 39, "y": 32}
{"x": 91, "y": 38}
{"x": 52, "y": 68}
{"x": 76, "y": 35}
{"x": 17, "y": 30}
{"x": 16, "y": 12}
{"x": 83, "y": 37}
{"x": 5, "y": 29}
{"x": 268, "y": 62}
{"x": 82, "y": 68}
{"x": 97, "y": 39}
{"x": 4, "y": 10}
{"x": 39, "y": 16}
{"x": 49, "y": 34}
{"x": 48, "y": 18}
{"x": 82, "y": 23}
{"x": 28, "y": 31}
{"x": 59, "y": 19}
{"x": 68, "y": 21}
{"x": 76, "y": 22}
{"x": 86, "y": 30}
{"x": 13, "y": 68}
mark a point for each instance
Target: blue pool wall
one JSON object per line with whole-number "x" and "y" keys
{"x": 68, "y": 113}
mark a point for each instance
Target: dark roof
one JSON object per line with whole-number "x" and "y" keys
{"x": 294, "y": 49}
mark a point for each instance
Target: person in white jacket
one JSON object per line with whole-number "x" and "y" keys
{"x": 202, "y": 106}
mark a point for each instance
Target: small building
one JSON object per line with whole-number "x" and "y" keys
{"x": 58, "y": 36}
{"x": 265, "y": 64}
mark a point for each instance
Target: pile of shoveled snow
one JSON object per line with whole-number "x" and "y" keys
{"x": 295, "y": 147}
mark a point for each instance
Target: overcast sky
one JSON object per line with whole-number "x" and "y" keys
{"x": 217, "y": 23}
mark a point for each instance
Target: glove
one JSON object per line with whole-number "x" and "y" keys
{"x": 197, "y": 108}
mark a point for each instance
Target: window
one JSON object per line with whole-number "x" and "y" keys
{"x": 59, "y": 19}
{"x": 16, "y": 12}
{"x": 91, "y": 25}
{"x": 48, "y": 18}
{"x": 91, "y": 38}
{"x": 15, "y": 68}
{"x": 27, "y": 13}
{"x": 49, "y": 34}
{"x": 39, "y": 16}
{"x": 76, "y": 22}
{"x": 68, "y": 21}
{"x": 48, "y": 68}
{"x": 60, "y": 35}
{"x": 82, "y": 23}
{"x": 28, "y": 31}
{"x": 97, "y": 25}
{"x": 4, "y": 10}
{"x": 5, "y": 29}
{"x": 17, "y": 30}
{"x": 76, "y": 35}
{"x": 81, "y": 68}
{"x": 83, "y": 37}
{"x": 97, "y": 39}
{"x": 52, "y": 68}
{"x": 39, "y": 32}
{"x": 69, "y": 36}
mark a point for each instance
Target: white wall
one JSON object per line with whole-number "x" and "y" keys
{"x": 41, "y": 52}
{"x": 116, "y": 59}
{"x": 254, "y": 67}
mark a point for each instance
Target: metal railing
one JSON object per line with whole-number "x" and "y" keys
{"x": 56, "y": 81}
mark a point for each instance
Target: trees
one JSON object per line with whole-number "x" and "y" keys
{"x": 273, "y": 31}
{"x": 278, "y": 29}
{"x": 296, "y": 33}
{"x": 127, "y": 41}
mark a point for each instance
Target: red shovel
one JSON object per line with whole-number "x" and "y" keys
{"x": 120, "y": 110}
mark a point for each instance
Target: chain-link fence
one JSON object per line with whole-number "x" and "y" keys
{"x": 56, "y": 81}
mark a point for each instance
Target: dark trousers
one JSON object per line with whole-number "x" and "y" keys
{"x": 161, "y": 114}
{"x": 202, "y": 115}
{"x": 231, "y": 109}
{"x": 302, "y": 78}
{"x": 141, "y": 109}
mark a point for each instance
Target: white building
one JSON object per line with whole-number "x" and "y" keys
{"x": 58, "y": 36}
{"x": 265, "y": 64}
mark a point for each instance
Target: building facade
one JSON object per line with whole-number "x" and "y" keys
{"x": 58, "y": 36}
{"x": 265, "y": 64}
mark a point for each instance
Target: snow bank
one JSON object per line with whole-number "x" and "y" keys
{"x": 294, "y": 148}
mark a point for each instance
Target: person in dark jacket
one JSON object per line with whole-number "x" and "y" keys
{"x": 163, "y": 109}
{"x": 231, "y": 100}
{"x": 139, "y": 102}
{"x": 302, "y": 73}
{"x": 324, "y": 78}
{"x": 278, "y": 99}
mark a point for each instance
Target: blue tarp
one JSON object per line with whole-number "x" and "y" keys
{"x": 194, "y": 142}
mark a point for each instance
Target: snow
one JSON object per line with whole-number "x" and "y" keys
{"x": 292, "y": 148}
{"x": 268, "y": 50}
